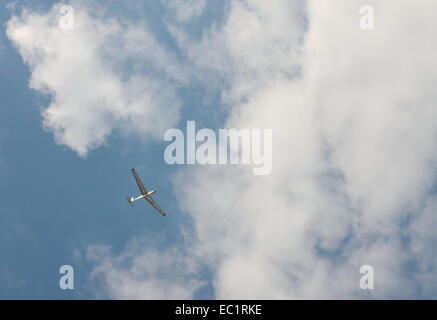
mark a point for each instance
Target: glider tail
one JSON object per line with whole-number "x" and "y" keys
{"x": 131, "y": 201}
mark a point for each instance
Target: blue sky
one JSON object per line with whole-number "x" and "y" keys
{"x": 54, "y": 202}
{"x": 354, "y": 125}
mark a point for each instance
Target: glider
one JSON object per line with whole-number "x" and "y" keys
{"x": 144, "y": 194}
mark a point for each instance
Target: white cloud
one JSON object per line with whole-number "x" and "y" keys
{"x": 184, "y": 10}
{"x": 423, "y": 239}
{"x": 354, "y": 151}
{"x": 354, "y": 138}
{"x": 141, "y": 272}
{"x": 103, "y": 76}
{"x": 240, "y": 50}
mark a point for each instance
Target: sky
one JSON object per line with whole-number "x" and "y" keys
{"x": 354, "y": 120}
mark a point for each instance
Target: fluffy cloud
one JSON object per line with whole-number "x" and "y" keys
{"x": 142, "y": 272}
{"x": 354, "y": 138}
{"x": 354, "y": 128}
{"x": 104, "y": 75}
{"x": 184, "y": 10}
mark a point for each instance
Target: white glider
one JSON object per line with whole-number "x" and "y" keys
{"x": 144, "y": 194}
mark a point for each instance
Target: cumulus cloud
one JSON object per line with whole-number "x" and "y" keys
{"x": 103, "y": 76}
{"x": 143, "y": 272}
{"x": 239, "y": 51}
{"x": 354, "y": 140}
{"x": 184, "y": 10}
